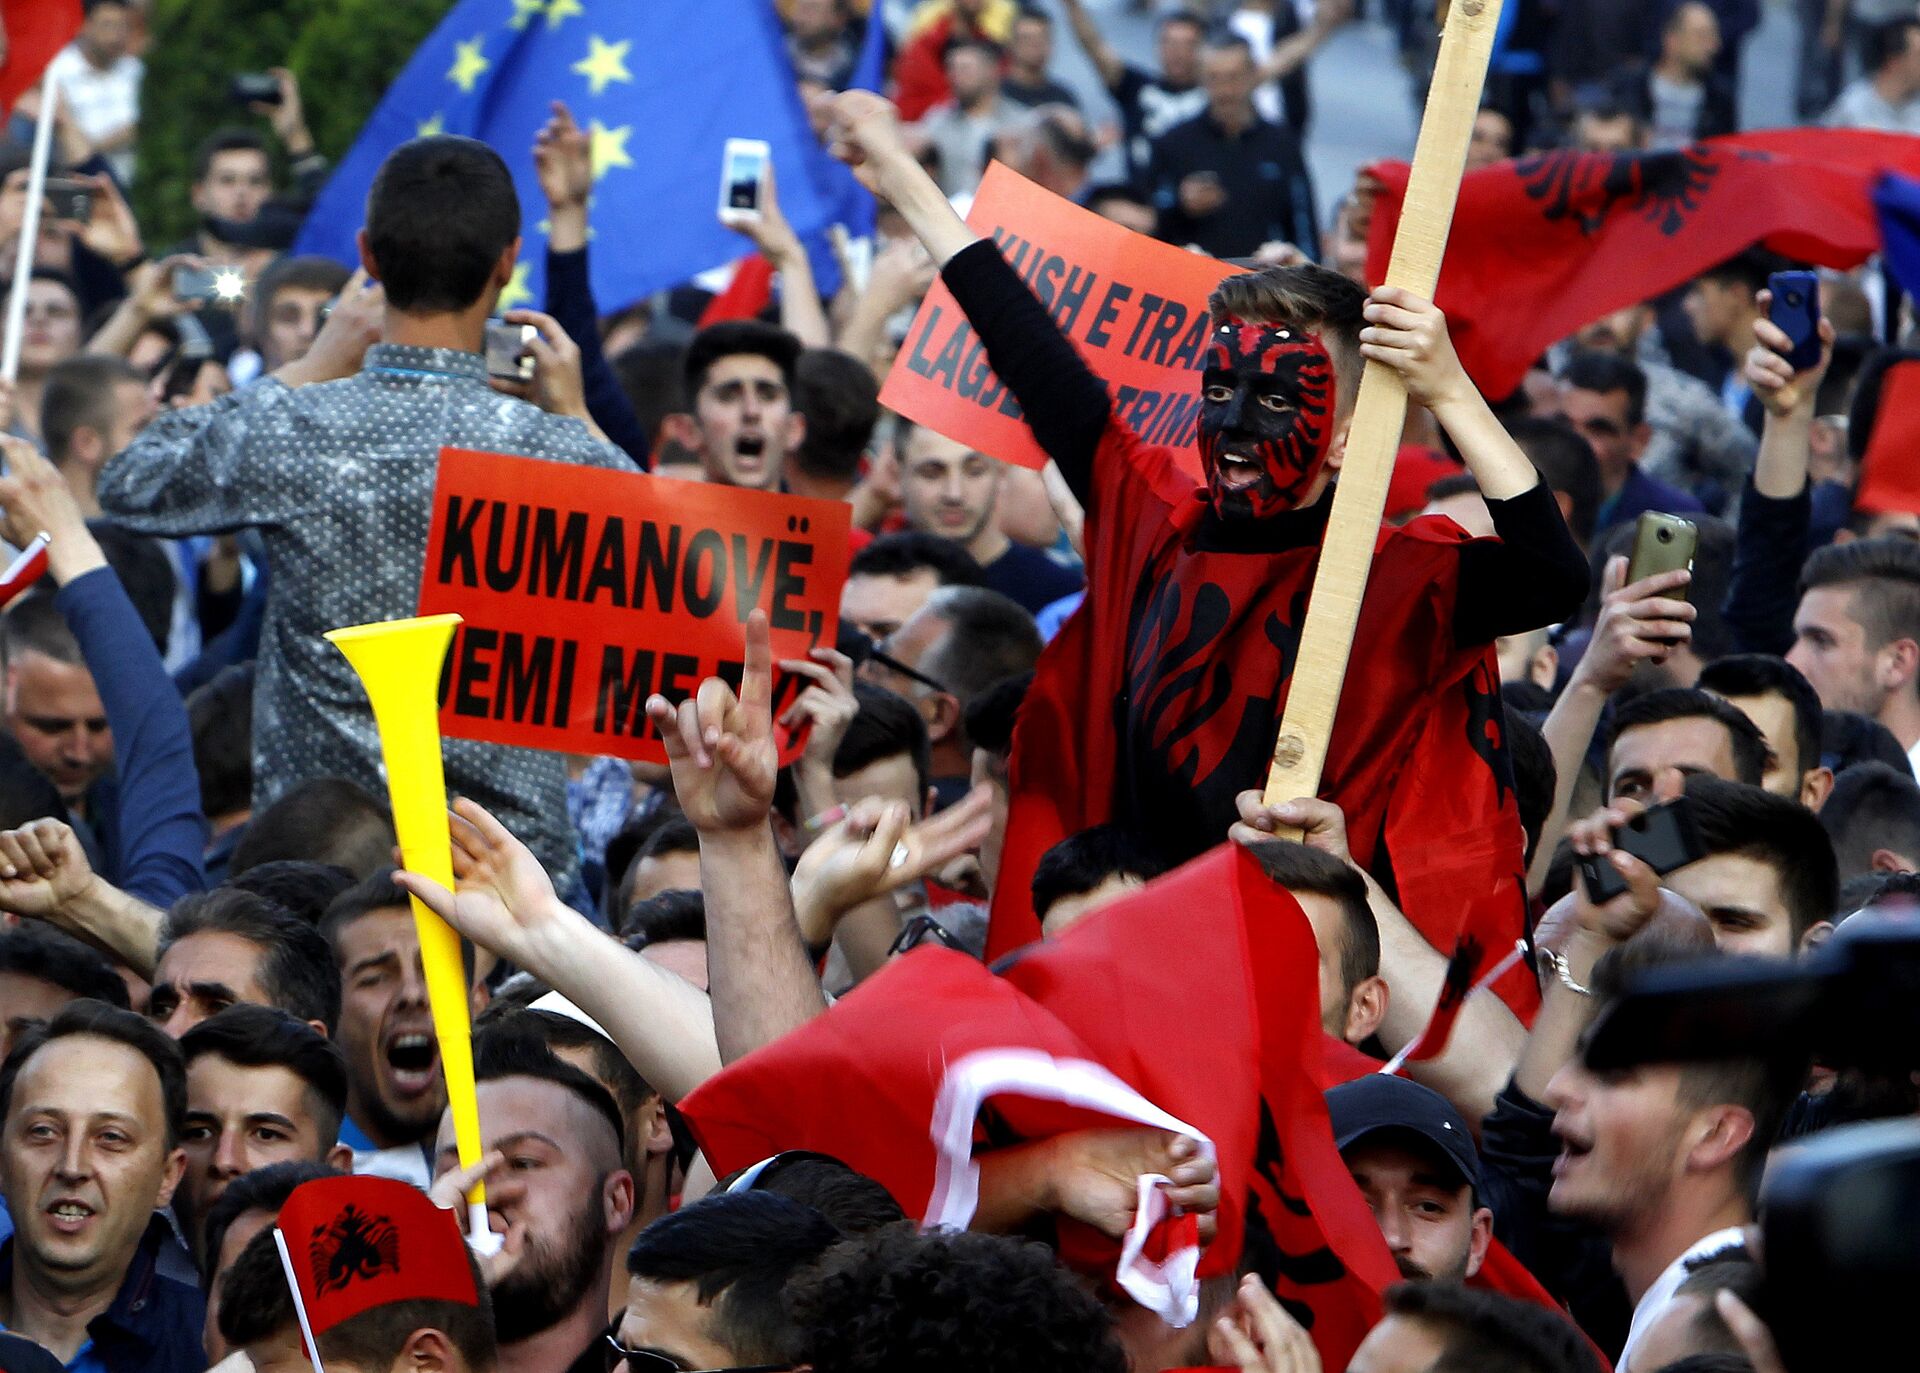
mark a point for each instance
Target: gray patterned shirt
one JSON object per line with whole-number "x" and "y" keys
{"x": 338, "y": 477}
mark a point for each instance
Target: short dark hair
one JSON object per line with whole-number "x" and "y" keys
{"x": 264, "y": 1189}
{"x": 672, "y": 833}
{"x": 297, "y": 273}
{"x": 378, "y": 892}
{"x": 630, "y": 1091}
{"x": 1725, "y": 1270}
{"x": 852, "y": 1202}
{"x": 1534, "y": 776}
{"x": 1872, "y": 806}
{"x": 1604, "y": 373}
{"x": 909, "y": 551}
{"x": 230, "y": 139}
{"x": 78, "y": 394}
{"x": 898, "y": 1298}
{"x": 1486, "y": 1332}
{"x": 1784, "y": 835}
{"x": 1082, "y": 861}
{"x": 1685, "y": 703}
{"x": 50, "y": 957}
{"x": 1312, "y": 298}
{"x": 1762, "y": 674}
{"x": 376, "y": 1337}
{"x": 324, "y": 820}
{"x": 1848, "y": 739}
{"x": 255, "y": 1301}
{"x": 1301, "y": 869}
{"x": 303, "y": 890}
{"x": 220, "y": 715}
{"x": 1749, "y": 268}
{"x": 1883, "y": 43}
{"x": 297, "y": 971}
{"x": 441, "y": 212}
{"x": 841, "y": 400}
{"x": 507, "y": 1049}
{"x": 1886, "y": 574}
{"x": 979, "y": 42}
{"x": 733, "y": 338}
{"x": 989, "y": 637}
{"x": 1117, "y": 191}
{"x": 266, "y": 1037}
{"x": 990, "y": 716}
{"x": 1565, "y": 462}
{"x": 652, "y": 376}
{"x": 886, "y": 726}
{"x": 34, "y": 623}
{"x": 739, "y": 1250}
{"x": 98, "y": 1020}
{"x": 680, "y": 913}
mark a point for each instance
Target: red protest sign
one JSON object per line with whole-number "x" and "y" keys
{"x": 585, "y": 591}
{"x": 1136, "y": 309}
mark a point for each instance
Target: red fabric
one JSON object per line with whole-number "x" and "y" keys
{"x": 28, "y": 567}
{"x": 920, "y": 72}
{"x": 1416, "y": 760}
{"x": 1890, "y": 470}
{"x": 361, "y": 1242}
{"x": 1545, "y": 244}
{"x": 36, "y": 31}
{"x": 1218, "y": 1037}
{"x": 750, "y": 292}
{"x": 1415, "y": 469}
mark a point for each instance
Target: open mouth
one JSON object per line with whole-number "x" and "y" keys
{"x": 413, "y": 1062}
{"x": 1237, "y": 473}
{"x": 1572, "y": 1151}
{"x": 750, "y": 451}
{"x": 69, "y": 1217}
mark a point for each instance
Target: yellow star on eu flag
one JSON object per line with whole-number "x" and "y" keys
{"x": 515, "y": 292}
{"x": 468, "y": 64}
{"x": 604, "y": 63}
{"x": 525, "y": 12}
{"x": 434, "y": 124}
{"x": 562, "y": 9}
{"x": 609, "y": 148}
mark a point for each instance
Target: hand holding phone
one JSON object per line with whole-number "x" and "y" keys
{"x": 508, "y": 350}
{"x": 70, "y": 200}
{"x": 1795, "y": 312}
{"x": 1663, "y": 837}
{"x": 743, "y": 179}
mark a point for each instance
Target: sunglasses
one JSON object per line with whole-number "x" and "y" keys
{"x": 919, "y": 930}
{"x": 653, "y": 1361}
{"x": 880, "y": 655}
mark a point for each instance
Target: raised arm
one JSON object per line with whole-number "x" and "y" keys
{"x": 1094, "y": 44}
{"x": 1065, "y": 404}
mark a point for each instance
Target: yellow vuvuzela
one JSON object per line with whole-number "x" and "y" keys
{"x": 398, "y": 662}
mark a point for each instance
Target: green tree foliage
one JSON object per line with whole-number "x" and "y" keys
{"x": 345, "y": 53}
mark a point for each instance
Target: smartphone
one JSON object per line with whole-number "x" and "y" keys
{"x": 1663, "y": 837}
{"x": 743, "y": 178}
{"x": 1795, "y": 312}
{"x": 195, "y": 283}
{"x": 1661, "y": 543}
{"x": 254, "y": 88}
{"x": 70, "y": 199}
{"x": 508, "y": 355}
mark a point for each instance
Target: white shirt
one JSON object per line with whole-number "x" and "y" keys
{"x": 1913, "y": 760}
{"x": 101, "y": 102}
{"x": 1660, "y": 1296}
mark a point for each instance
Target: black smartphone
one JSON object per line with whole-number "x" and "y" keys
{"x": 508, "y": 355}
{"x": 70, "y": 199}
{"x": 1795, "y": 312}
{"x": 255, "y": 88}
{"x": 194, "y": 283}
{"x": 1663, "y": 837}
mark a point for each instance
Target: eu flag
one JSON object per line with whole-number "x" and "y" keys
{"x": 661, "y": 84}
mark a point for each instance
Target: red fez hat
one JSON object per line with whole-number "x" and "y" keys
{"x": 354, "y": 1243}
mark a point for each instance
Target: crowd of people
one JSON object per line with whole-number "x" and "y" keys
{"x": 225, "y": 1137}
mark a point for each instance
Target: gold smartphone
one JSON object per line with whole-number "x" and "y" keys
{"x": 1661, "y": 543}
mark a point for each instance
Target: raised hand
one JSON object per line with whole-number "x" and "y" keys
{"x": 876, "y": 849}
{"x": 1625, "y": 915}
{"x": 1094, "y": 1176}
{"x": 35, "y": 497}
{"x": 826, "y": 706}
{"x": 866, "y": 136}
{"x": 502, "y": 899}
{"x": 1322, "y": 824}
{"x": 720, "y": 746}
{"x": 1257, "y": 1335}
{"x": 449, "y": 1193}
{"x": 557, "y": 386}
{"x": 1781, "y": 389}
{"x": 1409, "y": 334}
{"x": 43, "y": 870}
{"x": 563, "y": 160}
{"x": 1639, "y": 622}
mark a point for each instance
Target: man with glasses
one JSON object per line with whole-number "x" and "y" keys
{"x": 1604, "y": 396}
{"x": 706, "y": 1285}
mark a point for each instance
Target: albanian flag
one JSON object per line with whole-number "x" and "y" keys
{"x": 36, "y": 31}
{"x": 1192, "y": 1001}
{"x": 1545, "y": 244}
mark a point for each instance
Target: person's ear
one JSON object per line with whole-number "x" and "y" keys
{"x": 479, "y": 995}
{"x": 1479, "y": 1240}
{"x": 176, "y": 1168}
{"x": 683, "y": 429}
{"x": 503, "y": 268}
{"x": 1642, "y": 435}
{"x": 657, "y": 1134}
{"x": 1366, "y": 1008}
{"x": 1543, "y": 669}
{"x": 796, "y": 432}
{"x": 1816, "y": 786}
{"x": 616, "y": 1197}
{"x": 1337, "y": 445}
{"x": 319, "y": 1028}
{"x": 1816, "y": 934}
{"x": 427, "y": 1351}
{"x": 1721, "y": 1132}
{"x": 941, "y": 710}
{"x": 86, "y": 446}
{"x": 340, "y": 1157}
{"x": 1899, "y": 661}
{"x": 367, "y": 263}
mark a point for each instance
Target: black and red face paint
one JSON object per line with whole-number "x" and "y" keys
{"x": 1266, "y": 417}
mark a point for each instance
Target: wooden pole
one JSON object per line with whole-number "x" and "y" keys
{"x": 1380, "y": 410}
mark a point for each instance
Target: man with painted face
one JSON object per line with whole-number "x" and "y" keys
{"x": 1197, "y": 593}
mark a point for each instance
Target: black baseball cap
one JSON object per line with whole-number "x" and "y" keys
{"x": 1382, "y": 1104}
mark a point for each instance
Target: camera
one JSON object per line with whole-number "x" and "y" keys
{"x": 70, "y": 199}
{"x": 508, "y": 355}
{"x": 255, "y": 88}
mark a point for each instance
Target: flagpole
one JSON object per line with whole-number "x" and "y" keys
{"x": 1380, "y": 412}
{"x": 29, "y": 228}
{"x": 299, "y": 1302}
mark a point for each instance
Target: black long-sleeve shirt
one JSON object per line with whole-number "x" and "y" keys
{"x": 1534, "y": 575}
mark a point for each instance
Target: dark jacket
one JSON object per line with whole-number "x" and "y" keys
{"x": 154, "y": 1324}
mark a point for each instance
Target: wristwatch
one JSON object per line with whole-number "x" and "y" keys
{"x": 1563, "y": 970}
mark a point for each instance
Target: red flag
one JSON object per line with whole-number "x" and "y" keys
{"x": 750, "y": 292}
{"x": 36, "y": 31}
{"x": 1545, "y": 244}
{"x": 355, "y": 1243}
{"x": 1890, "y": 468}
{"x": 26, "y": 569}
{"x": 1219, "y": 1038}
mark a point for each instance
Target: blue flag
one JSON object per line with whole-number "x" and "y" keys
{"x": 1896, "y": 203}
{"x": 661, "y": 85}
